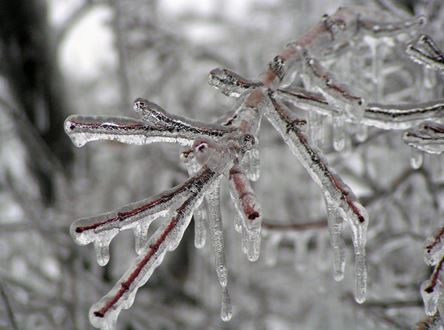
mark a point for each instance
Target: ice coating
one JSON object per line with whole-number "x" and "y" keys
{"x": 400, "y": 117}
{"x": 339, "y": 134}
{"x": 155, "y": 114}
{"x": 427, "y": 137}
{"x": 383, "y": 116}
{"x": 307, "y": 101}
{"x": 316, "y": 133}
{"x": 430, "y": 296}
{"x": 226, "y": 311}
{"x": 249, "y": 211}
{"x": 230, "y": 83}
{"x": 434, "y": 250}
{"x": 251, "y": 161}
{"x": 426, "y": 52}
{"x": 141, "y": 213}
{"x": 141, "y": 236}
{"x": 166, "y": 238}
{"x": 214, "y": 146}
{"x": 381, "y": 30}
{"x": 335, "y": 228}
{"x": 84, "y": 129}
{"x": 334, "y": 91}
{"x": 337, "y": 194}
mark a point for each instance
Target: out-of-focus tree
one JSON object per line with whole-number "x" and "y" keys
{"x": 163, "y": 51}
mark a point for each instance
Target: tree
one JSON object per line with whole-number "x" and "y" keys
{"x": 352, "y": 72}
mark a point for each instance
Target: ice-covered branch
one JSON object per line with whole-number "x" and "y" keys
{"x": 425, "y": 51}
{"x": 228, "y": 151}
{"x": 427, "y": 137}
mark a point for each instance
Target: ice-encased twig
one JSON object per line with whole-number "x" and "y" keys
{"x": 431, "y": 289}
{"x": 307, "y": 101}
{"x": 337, "y": 194}
{"x": 249, "y": 211}
{"x": 334, "y": 91}
{"x": 424, "y": 51}
{"x": 159, "y": 126}
{"x": 402, "y": 116}
{"x": 230, "y": 83}
{"x": 84, "y": 129}
{"x": 378, "y": 29}
{"x": 427, "y": 137}
{"x": 153, "y": 113}
{"x": 383, "y": 116}
{"x": 105, "y": 312}
{"x": 434, "y": 250}
{"x": 102, "y": 228}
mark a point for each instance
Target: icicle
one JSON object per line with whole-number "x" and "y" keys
{"x": 141, "y": 235}
{"x": 335, "y": 228}
{"x": 416, "y": 158}
{"x": 200, "y": 232}
{"x": 226, "y": 311}
{"x": 430, "y": 295}
{"x": 244, "y": 242}
{"x": 252, "y": 161}
{"x": 338, "y": 196}
{"x": 359, "y": 233}
{"x": 315, "y": 130}
{"x": 339, "y": 134}
{"x": 216, "y": 232}
{"x": 101, "y": 246}
{"x": 199, "y": 216}
{"x": 254, "y": 173}
{"x": 377, "y": 60}
{"x": 362, "y": 133}
{"x": 253, "y": 245}
{"x": 360, "y": 276}
{"x": 237, "y": 222}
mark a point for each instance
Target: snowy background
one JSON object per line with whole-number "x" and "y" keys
{"x": 96, "y": 57}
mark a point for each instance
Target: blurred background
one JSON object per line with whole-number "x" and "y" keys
{"x": 59, "y": 57}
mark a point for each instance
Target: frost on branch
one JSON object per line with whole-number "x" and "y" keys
{"x": 227, "y": 152}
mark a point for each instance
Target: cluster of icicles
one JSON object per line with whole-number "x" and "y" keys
{"x": 227, "y": 150}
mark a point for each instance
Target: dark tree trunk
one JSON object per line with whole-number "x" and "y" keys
{"x": 29, "y": 64}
